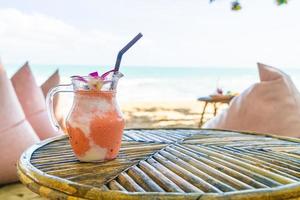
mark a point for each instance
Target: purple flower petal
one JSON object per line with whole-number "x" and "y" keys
{"x": 80, "y": 78}
{"x": 94, "y": 74}
{"x": 106, "y": 74}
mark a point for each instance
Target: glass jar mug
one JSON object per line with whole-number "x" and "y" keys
{"x": 95, "y": 122}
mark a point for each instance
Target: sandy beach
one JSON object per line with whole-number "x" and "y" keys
{"x": 154, "y": 114}
{"x": 164, "y": 114}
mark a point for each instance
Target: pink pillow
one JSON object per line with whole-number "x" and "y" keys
{"x": 32, "y": 100}
{"x": 15, "y": 132}
{"x": 270, "y": 106}
{"x": 51, "y": 82}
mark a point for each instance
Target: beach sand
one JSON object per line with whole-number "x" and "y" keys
{"x": 167, "y": 114}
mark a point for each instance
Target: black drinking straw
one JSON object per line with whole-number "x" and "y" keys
{"x": 122, "y": 51}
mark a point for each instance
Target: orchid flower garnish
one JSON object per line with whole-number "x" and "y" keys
{"x": 95, "y": 82}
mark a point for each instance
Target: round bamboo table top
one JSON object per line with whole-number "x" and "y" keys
{"x": 169, "y": 164}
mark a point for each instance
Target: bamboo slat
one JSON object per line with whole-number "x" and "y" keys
{"x": 170, "y": 164}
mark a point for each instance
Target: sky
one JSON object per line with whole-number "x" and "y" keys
{"x": 176, "y": 32}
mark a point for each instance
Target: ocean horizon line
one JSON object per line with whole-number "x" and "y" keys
{"x": 215, "y": 66}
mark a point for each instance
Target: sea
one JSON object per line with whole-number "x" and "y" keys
{"x": 144, "y": 83}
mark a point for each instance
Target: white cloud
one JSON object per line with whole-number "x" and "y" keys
{"x": 43, "y": 39}
{"x": 176, "y": 33}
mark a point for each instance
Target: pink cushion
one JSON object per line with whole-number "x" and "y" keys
{"x": 270, "y": 106}
{"x": 29, "y": 94}
{"x": 10, "y": 109}
{"x": 51, "y": 82}
{"x": 32, "y": 100}
{"x": 14, "y": 141}
{"x": 15, "y": 132}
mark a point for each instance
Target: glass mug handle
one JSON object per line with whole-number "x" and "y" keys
{"x": 49, "y": 102}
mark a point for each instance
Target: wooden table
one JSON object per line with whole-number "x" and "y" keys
{"x": 219, "y": 99}
{"x": 169, "y": 164}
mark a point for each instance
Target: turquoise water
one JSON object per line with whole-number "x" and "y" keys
{"x": 140, "y": 72}
{"x": 164, "y": 83}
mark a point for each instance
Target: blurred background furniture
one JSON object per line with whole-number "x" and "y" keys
{"x": 215, "y": 101}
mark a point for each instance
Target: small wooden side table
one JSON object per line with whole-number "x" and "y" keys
{"x": 215, "y": 99}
